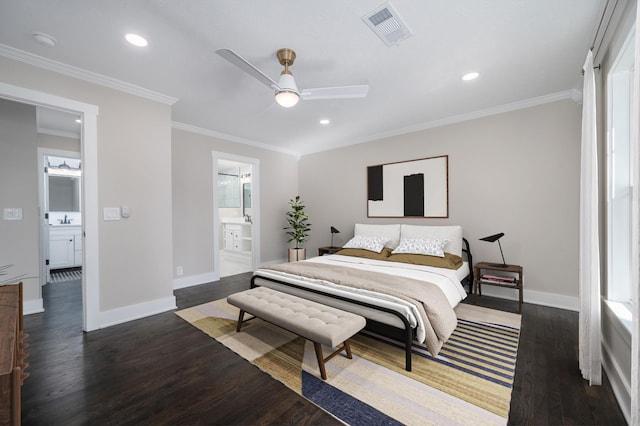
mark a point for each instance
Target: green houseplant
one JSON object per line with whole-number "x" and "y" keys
{"x": 298, "y": 228}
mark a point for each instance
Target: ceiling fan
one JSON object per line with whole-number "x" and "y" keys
{"x": 287, "y": 92}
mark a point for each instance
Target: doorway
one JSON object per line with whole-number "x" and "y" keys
{"x": 61, "y": 224}
{"x": 236, "y": 214}
{"x": 89, "y": 150}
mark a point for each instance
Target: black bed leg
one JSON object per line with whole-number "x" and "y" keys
{"x": 408, "y": 347}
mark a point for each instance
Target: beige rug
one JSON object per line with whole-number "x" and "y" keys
{"x": 468, "y": 383}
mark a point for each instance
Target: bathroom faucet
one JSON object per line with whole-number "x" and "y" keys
{"x": 65, "y": 221}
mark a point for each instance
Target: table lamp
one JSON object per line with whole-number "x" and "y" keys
{"x": 493, "y": 239}
{"x": 333, "y": 231}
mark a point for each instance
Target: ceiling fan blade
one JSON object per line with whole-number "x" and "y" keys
{"x": 247, "y": 67}
{"x": 341, "y": 92}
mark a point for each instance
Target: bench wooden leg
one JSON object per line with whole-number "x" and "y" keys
{"x": 347, "y": 348}
{"x": 322, "y": 360}
{"x": 240, "y": 320}
{"x": 318, "y": 348}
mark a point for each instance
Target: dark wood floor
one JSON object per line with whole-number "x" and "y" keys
{"x": 161, "y": 370}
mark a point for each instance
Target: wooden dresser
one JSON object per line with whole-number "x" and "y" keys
{"x": 12, "y": 353}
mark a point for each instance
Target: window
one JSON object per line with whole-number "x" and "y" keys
{"x": 619, "y": 175}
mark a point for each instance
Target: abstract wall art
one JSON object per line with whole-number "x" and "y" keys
{"x": 416, "y": 188}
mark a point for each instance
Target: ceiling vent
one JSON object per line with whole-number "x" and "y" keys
{"x": 387, "y": 24}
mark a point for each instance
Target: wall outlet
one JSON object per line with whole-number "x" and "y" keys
{"x": 179, "y": 271}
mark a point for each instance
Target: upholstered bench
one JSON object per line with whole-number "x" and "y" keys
{"x": 321, "y": 324}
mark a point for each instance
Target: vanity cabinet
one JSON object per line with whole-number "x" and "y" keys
{"x": 237, "y": 236}
{"x": 65, "y": 247}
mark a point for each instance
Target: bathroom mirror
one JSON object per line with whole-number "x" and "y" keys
{"x": 246, "y": 198}
{"x": 64, "y": 193}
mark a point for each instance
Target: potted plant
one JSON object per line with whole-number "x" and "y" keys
{"x": 298, "y": 228}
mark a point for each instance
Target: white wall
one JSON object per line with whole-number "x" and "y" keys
{"x": 516, "y": 173}
{"x": 192, "y": 165}
{"x": 134, "y": 167}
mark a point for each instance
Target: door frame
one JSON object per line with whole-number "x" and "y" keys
{"x": 90, "y": 212}
{"x": 255, "y": 208}
{"x": 43, "y": 205}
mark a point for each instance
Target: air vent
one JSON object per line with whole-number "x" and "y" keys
{"x": 387, "y": 24}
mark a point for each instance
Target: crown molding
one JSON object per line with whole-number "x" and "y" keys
{"x": 82, "y": 74}
{"x": 219, "y": 135}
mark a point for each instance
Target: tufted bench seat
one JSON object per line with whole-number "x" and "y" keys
{"x": 321, "y": 324}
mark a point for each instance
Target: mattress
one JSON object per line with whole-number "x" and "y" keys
{"x": 449, "y": 281}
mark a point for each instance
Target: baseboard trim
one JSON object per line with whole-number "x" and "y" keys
{"x": 34, "y": 306}
{"x": 619, "y": 383}
{"x": 192, "y": 280}
{"x": 536, "y": 297}
{"x": 134, "y": 312}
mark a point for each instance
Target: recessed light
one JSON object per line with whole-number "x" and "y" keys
{"x": 78, "y": 121}
{"x": 44, "y": 39}
{"x": 136, "y": 40}
{"x": 470, "y": 76}
{"x": 325, "y": 121}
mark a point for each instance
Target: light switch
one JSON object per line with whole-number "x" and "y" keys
{"x": 112, "y": 213}
{"x": 12, "y": 213}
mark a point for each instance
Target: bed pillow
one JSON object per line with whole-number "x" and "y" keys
{"x": 367, "y": 254}
{"x": 449, "y": 261}
{"x": 391, "y": 232}
{"x": 426, "y": 246}
{"x": 453, "y": 234}
{"x": 366, "y": 242}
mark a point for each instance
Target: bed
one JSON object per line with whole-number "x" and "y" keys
{"x": 404, "y": 279}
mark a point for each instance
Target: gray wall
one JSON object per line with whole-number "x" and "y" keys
{"x": 58, "y": 142}
{"x": 192, "y": 164}
{"x": 19, "y": 241}
{"x": 516, "y": 173}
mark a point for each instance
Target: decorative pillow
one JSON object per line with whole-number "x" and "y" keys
{"x": 390, "y": 232}
{"x": 367, "y": 254}
{"x": 366, "y": 242}
{"x": 421, "y": 246}
{"x": 451, "y": 233}
{"x": 449, "y": 261}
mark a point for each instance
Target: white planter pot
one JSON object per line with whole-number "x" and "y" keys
{"x": 297, "y": 254}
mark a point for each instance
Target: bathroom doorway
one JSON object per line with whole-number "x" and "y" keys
{"x": 236, "y": 214}
{"x": 61, "y": 227}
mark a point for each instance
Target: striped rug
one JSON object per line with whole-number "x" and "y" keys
{"x": 62, "y": 275}
{"x": 468, "y": 383}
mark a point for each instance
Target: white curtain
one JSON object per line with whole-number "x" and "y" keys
{"x": 589, "y": 265}
{"x": 635, "y": 231}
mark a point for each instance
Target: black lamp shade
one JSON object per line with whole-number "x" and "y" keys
{"x": 493, "y": 238}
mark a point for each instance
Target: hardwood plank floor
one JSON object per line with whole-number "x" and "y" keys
{"x": 161, "y": 370}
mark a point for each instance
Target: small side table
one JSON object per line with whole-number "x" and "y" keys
{"x": 328, "y": 250}
{"x": 486, "y": 266}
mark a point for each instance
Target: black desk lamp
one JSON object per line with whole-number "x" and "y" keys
{"x": 493, "y": 239}
{"x": 333, "y": 231}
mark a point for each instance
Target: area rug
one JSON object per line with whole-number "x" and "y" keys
{"x": 63, "y": 275}
{"x": 468, "y": 383}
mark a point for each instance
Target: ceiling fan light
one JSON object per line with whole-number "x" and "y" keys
{"x": 287, "y": 98}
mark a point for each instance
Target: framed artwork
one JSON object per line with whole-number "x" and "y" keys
{"x": 416, "y": 188}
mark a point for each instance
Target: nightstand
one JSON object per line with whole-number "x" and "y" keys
{"x": 328, "y": 250}
{"x": 480, "y": 278}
